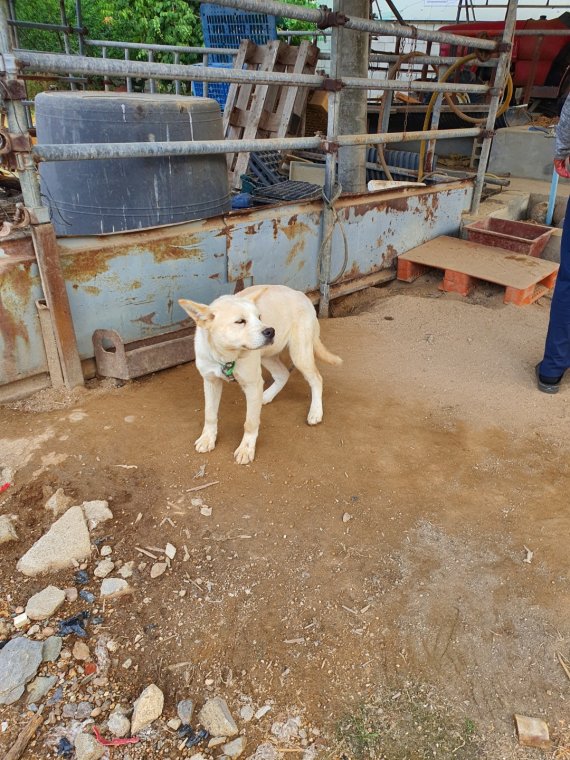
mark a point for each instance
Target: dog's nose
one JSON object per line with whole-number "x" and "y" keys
{"x": 269, "y": 333}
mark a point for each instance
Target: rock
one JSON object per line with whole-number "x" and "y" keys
{"x": 88, "y": 748}
{"x": 126, "y": 570}
{"x": 118, "y": 724}
{"x": 170, "y": 551}
{"x": 71, "y": 594}
{"x": 246, "y": 713}
{"x": 104, "y": 567}
{"x": 58, "y": 502}
{"x": 217, "y": 719}
{"x": 216, "y": 741}
{"x": 106, "y": 551}
{"x": 288, "y": 730}
{"x": 19, "y": 663}
{"x": 185, "y": 708}
{"x": 234, "y": 748}
{"x": 51, "y": 648}
{"x": 77, "y": 710}
{"x": 66, "y": 542}
{"x": 346, "y": 517}
{"x": 114, "y": 587}
{"x": 262, "y": 711}
{"x": 21, "y": 621}
{"x": 532, "y": 732}
{"x": 39, "y": 687}
{"x": 96, "y": 512}
{"x": 81, "y": 651}
{"x": 158, "y": 569}
{"x": 7, "y": 530}
{"x": 43, "y": 604}
{"x": 265, "y": 751}
{"x": 127, "y": 663}
{"x": 174, "y": 724}
{"x": 147, "y": 708}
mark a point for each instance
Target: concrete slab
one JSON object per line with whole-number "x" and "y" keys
{"x": 523, "y": 153}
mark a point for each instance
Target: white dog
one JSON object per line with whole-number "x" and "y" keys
{"x": 237, "y": 334}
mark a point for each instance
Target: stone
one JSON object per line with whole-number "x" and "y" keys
{"x": 19, "y": 663}
{"x": 246, "y": 713}
{"x": 96, "y": 512}
{"x": 71, "y": 594}
{"x": 118, "y": 724}
{"x": 58, "y": 502}
{"x": 51, "y": 648}
{"x": 21, "y": 621}
{"x": 262, "y": 711}
{"x": 66, "y": 542}
{"x": 265, "y": 751}
{"x": 174, "y": 724}
{"x": 88, "y": 748}
{"x": 114, "y": 587}
{"x": 158, "y": 569}
{"x": 77, "y": 710}
{"x": 147, "y": 708}
{"x": 7, "y": 529}
{"x": 216, "y": 741}
{"x": 104, "y": 568}
{"x": 39, "y": 687}
{"x": 43, "y": 604}
{"x": 81, "y": 651}
{"x": 170, "y": 551}
{"x": 216, "y": 718}
{"x": 532, "y": 732}
{"x": 185, "y": 708}
{"x": 106, "y": 551}
{"x": 126, "y": 570}
{"x": 288, "y": 730}
{"x": 235, "y": 748}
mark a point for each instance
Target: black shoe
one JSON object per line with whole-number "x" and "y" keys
{"x": 547, "y": 384}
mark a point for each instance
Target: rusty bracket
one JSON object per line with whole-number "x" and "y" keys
{"x": 12, "y": 89}
{"x": 330, "y": 147}
{"x": 330, "y": 18}
{"x": 13, "y": 145}
{"x": 332, "y": 85}
{"x": 504, "y": 47}
{"x": 486, "y": 134}
{"x": 22, "y": 218}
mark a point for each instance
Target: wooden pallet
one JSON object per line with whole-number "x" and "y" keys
{"x": 263, "y": 111}
{"x": 525, "y": 278}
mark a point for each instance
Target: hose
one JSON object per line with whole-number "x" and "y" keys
{"x": 460, "y": 62}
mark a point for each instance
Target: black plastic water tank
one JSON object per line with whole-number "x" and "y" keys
{"x": 95, "y": 197}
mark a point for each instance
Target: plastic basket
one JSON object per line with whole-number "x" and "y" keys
{"x": 216, "y": 90}
{"x": 226, "y": 28}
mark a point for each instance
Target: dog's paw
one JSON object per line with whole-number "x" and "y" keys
{"x": 206, "y": 442}
{"x": 245, "y": 453}
{"x": 267, "y": 397}
{"x": 315, "y": 417}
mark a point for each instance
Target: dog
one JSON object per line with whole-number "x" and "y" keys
{"x": 236, "y": 335}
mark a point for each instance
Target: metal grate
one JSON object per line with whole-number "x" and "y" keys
{"x": 290, "y": 190}
{"x": 226, "y": 28}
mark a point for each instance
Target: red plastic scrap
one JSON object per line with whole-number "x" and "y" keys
{"x": 113, "y": 742}
{"x": 4, "y": 487}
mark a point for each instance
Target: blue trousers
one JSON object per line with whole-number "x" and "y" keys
{"x": 557, "y": 349}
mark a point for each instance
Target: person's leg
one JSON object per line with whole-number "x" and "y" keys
{"x": 557, "y": 348}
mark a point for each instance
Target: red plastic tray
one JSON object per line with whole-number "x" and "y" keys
{"x": 519, "y": 237}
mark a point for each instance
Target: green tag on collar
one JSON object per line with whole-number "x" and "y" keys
{"x": 228, "y": 370}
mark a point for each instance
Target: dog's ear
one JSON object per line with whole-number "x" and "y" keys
{"x": 253, "y": 297}
{"x": 199, "y": 312}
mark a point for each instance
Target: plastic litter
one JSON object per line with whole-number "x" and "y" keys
{"x": 4, "y": 487}
{"x": 87, "y": 596}
{"x": 75, "y": 624}
{"x": 65, "y": 748}
{"x": 97, "y": 620}
{"x": 113, "y": 742}
{"x": 194, "y": 737}
{"x": 81, "y": 577}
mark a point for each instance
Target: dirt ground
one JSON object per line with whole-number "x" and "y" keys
{"x": 367, "y": 575}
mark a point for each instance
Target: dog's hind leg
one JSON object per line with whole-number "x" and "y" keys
{"x": 212, "y": 396}
{"x": 303, "y": 358}
{"x": 280, "y": 375}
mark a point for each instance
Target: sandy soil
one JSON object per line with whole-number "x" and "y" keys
{"x": 412, "y": 627}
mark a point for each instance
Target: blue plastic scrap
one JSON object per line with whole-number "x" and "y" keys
{"x": 65, "y": 748}
{"x": 75, "y": 624}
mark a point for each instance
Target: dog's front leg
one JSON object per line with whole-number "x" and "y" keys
{"x": 212, "y": 395}
{"x": 245, "y": 452}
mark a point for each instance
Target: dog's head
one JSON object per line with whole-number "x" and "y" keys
{"x": 233, "y": 322}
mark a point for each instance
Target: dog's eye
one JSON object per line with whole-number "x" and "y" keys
{"x": 240, "y": 321}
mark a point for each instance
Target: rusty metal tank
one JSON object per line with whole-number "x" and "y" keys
{"x": 103, "y": 196}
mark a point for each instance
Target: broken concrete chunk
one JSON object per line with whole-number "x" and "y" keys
{"x": 43, "y": 604}
{"x": 104, "y": 567}
{"x": 19, "y": 663}
{"x": 234, "y": 748}
{"x": 216, "y": 718}
{"x": 51, "y": 648}
{"x": 88, "y": 748}
{"x": 65, "y": 543}
{"x": 532, "y": 732}
{"x": 147, "y": 708}
{"x": 114, "y": 587}
{"x": 7, "y": 529}
{"x": 58, "y": 502}
{"x": 170, "y": 551}
{"x": 39, "y": 687}
{"x": 96, "y": 512}
{"x": 119, "y": 725}
{"x": 81, "y": 651}
{"x": 158, "y": 569}
{"x": 185, "y": 708}
{"x": 266, "y": 751}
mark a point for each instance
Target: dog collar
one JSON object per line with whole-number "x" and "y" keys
{"x": 228, "y": 370}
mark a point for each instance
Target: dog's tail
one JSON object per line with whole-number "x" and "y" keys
{"x": 322, "y": 353}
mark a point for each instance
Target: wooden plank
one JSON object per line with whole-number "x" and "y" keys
{"x": 481, "y": 262}
{"x": 237, "y": 92}
{"x": 288, "y": 101}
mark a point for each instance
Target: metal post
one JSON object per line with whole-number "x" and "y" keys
{"x": 152, "y": 82}
{"x": 128, "y": 80}
{"x": 205, "y": 59}
{"x": 353, "y": 103}
{"x": 79, "y": 22}
{"x": 177, "y": 83}
{"x": 66, "y": 45}
{"x": 105, "y": 80}
{"x": 43, "y": 235}
{"x": 500, "y": 82}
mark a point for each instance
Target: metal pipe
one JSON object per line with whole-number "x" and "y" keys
{"x": 152, "y": 82}
{"x": 128, "y": 80}
{"x": 162, "y": 48}
{"x": 500, "y": 81}
{"x": 112, "y": 67}
{"x": 66, "y": 45}
{"x": 79, "y": 22}
{"x": 303, "y": 13}
{"x": 90, "y": 151}
{"x": 44, "y": 27}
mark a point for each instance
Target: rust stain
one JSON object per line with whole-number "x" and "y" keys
{"x": 294, "y": 228}
{"x": 275, "y": 228}
{"x": 295, "y": 251}
{"x": 136, "y": 284}
{"x": 300, "y": 265}
{"x": 391, "y": 254}
{"x": 11, "y": 329}
{"x": 147, "y": 319}
{"x": 252, "y": 229}
{"x": 17, "y": 280}
{"x": 91, "y": 290}
{"x": 243, "y": 271}
{"x": 214, "y": 276}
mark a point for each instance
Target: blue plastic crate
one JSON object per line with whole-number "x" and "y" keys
{"x": 216, "y": 90}
{"x": 226, "y": 28}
